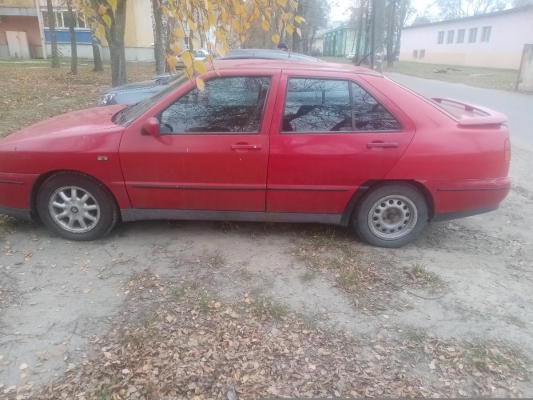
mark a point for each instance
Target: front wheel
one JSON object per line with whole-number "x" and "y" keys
{"x": 76, "y": 207}
{"x": 391, "y": 215}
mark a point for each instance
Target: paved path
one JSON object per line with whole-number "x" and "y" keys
{"x": 518, "y": 107}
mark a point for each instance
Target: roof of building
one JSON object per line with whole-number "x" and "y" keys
{"x": 338, "y": 28}
{"x": 479, "y": 16}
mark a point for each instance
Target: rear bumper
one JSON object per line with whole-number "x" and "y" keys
{"x": 463, "y": 198}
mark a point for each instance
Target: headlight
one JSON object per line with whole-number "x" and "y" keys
{"x": 105, "y": 99}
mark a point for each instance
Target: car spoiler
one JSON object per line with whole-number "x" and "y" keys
{"x": 474, "y": 115}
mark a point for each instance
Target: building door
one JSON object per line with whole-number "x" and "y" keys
{"x": 17, "y": 43}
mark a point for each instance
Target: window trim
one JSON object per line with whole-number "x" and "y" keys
{"x": 354, "y": 132}
{"x": 440, "y": 38}
{"x": 470, "y": 35}
{"x": 159, "y": 115}
{"x": 63, "y": 11}
{"x": 485, "y": 34}
{"x": 449, "y": 38}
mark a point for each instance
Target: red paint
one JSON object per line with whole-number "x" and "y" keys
{"x": 463, "y": 166}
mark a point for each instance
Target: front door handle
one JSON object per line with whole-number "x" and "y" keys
{"x": 381, "y": 145}
{"x": 245, "y": 146}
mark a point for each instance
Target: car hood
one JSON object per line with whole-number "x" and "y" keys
{"x": 137, "y": 85}
{"x": 78, "y": 123}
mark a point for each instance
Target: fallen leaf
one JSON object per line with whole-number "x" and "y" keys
{"x": 23, "y": 366}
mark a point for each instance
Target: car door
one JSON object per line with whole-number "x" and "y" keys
{"x": 330, "y": 134}
{"x": 212, "y": 149}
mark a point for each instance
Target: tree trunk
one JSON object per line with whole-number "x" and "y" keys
{"x": 73, "y": 45}
{"x": 391, "y": 25}
{"x": 97, "y": 58}
{"x": 360, "y": 21}
{"x": 53, "y": 39}
{"x": 404, "y": 5}
{"x": 159, "y": 44}
{"x": 378, "y": 30}
{"x": 117, "y": 51}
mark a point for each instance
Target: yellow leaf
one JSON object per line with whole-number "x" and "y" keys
{"x": 102, "y": 9}
{"x": 284, "y": 16}
{"x": 172, "y": 61}
{"x": 113, "y": 4}
{"x": 176, "y": 48}
{"x": 289, "y": 29}
{"x": 192, "y": 25}
{"x": 189, "y": 72}
{"x": 295, "y": 5}
{"x": 221, "y": 51}
{"x": 236, "y": 25}
{"x": 212, "y": 19}
{"x": 302, "y": 19}
{"x": 188, "y": 58}
{"x": 275, "y": 38}
{"x": 209, "y": 58}
{"x": 195, "y": 43}
{"x": 265, "y": 25}
{"x": 100, "y": 32}
{"x": 165, "y": 10}
{"x": 298, "y": 19}
{"x": 107, "y": 19}
{"x": 282, "y": 3}
{"x": 247, "y": 25}
{"x": 243, "y": 39}
{"x": 179, "y": 33}
{"x": 299, "y": 32}
{"x": 200, "y": 67}
{"x": 200, "y": 84}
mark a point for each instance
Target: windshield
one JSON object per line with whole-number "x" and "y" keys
{"x": 129, "y": 114}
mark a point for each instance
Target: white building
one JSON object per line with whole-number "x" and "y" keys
{"x": 494, "y": 40}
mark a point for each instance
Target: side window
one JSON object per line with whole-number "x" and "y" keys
{"x": 227, "y": 105}
{"x": 369, "y": 114}
{"x": 317, "y": 105}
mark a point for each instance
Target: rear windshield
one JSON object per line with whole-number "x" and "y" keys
{"x": 129, "y": 114}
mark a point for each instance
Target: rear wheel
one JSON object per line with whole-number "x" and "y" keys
{"x": 391, "y": 215}
{"x": 76, "y": 207}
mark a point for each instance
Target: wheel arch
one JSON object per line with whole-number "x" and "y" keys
{"x": 372, "y": 184}
{"x": 44, "y": 177}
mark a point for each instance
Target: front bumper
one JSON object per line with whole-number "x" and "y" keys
{"x": 15, "y": 193}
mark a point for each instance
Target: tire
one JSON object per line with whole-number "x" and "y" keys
{"x": 94, "y": 211}
{"x": 391, "y": 215}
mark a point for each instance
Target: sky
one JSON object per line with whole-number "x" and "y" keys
{"x": 339, "y": 7}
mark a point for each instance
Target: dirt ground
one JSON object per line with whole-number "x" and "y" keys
{"x": 432, "y": 316}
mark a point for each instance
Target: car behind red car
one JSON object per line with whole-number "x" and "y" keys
{"x": 265, "y": 141}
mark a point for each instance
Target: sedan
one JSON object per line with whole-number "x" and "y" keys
{"x": 264, "y": 141}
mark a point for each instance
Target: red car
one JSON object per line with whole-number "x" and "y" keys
{"x": 265, "y": 141}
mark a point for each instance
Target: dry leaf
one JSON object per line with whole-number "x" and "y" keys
{"x": 23, "y": 366}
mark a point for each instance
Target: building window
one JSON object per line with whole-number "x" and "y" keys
{"x": 460, "y": 36}
{"x": 472, "y": 35}
{"x": 62, "y": 19}
{"x": 441, "y": 37}
{"x": 449, "y": 40}
{"x": 415, "y": 53}
{"x": 422, "y": 54}
{"x": 485, "y": 33}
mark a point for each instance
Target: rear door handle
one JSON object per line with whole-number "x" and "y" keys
{"x": 381, "y": 145}
{"x": 245, "y": 146}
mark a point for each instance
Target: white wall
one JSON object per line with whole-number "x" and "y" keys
{"x": 509, "y": 33}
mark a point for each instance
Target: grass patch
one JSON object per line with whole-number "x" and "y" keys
{"x": 179, "y": 291}
{"x": 269, "y": 308}
{"x": 205, "y": 301}
{"x": 515, "y": 320}
{"x": 428, "y": 278}
{"x": 347, "y": 280}
{"x": 245, "y": 274}
{"x": 216, "y": 259}
{"x": 415, "y": 334}
{"x": 490, "y": 78}
{"x": 308, "y": 276}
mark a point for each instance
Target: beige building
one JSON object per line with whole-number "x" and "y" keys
{"x": 24, "y": 30}
{"x": 494, "y": 40}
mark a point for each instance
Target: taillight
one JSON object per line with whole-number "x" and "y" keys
{"x": 507, "y": 150}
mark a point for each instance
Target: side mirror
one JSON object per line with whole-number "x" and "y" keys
{"x": 151, "y": 127}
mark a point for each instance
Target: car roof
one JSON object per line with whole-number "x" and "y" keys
{"x": 292, "y": 65}
{"x": 267, "y": 54}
